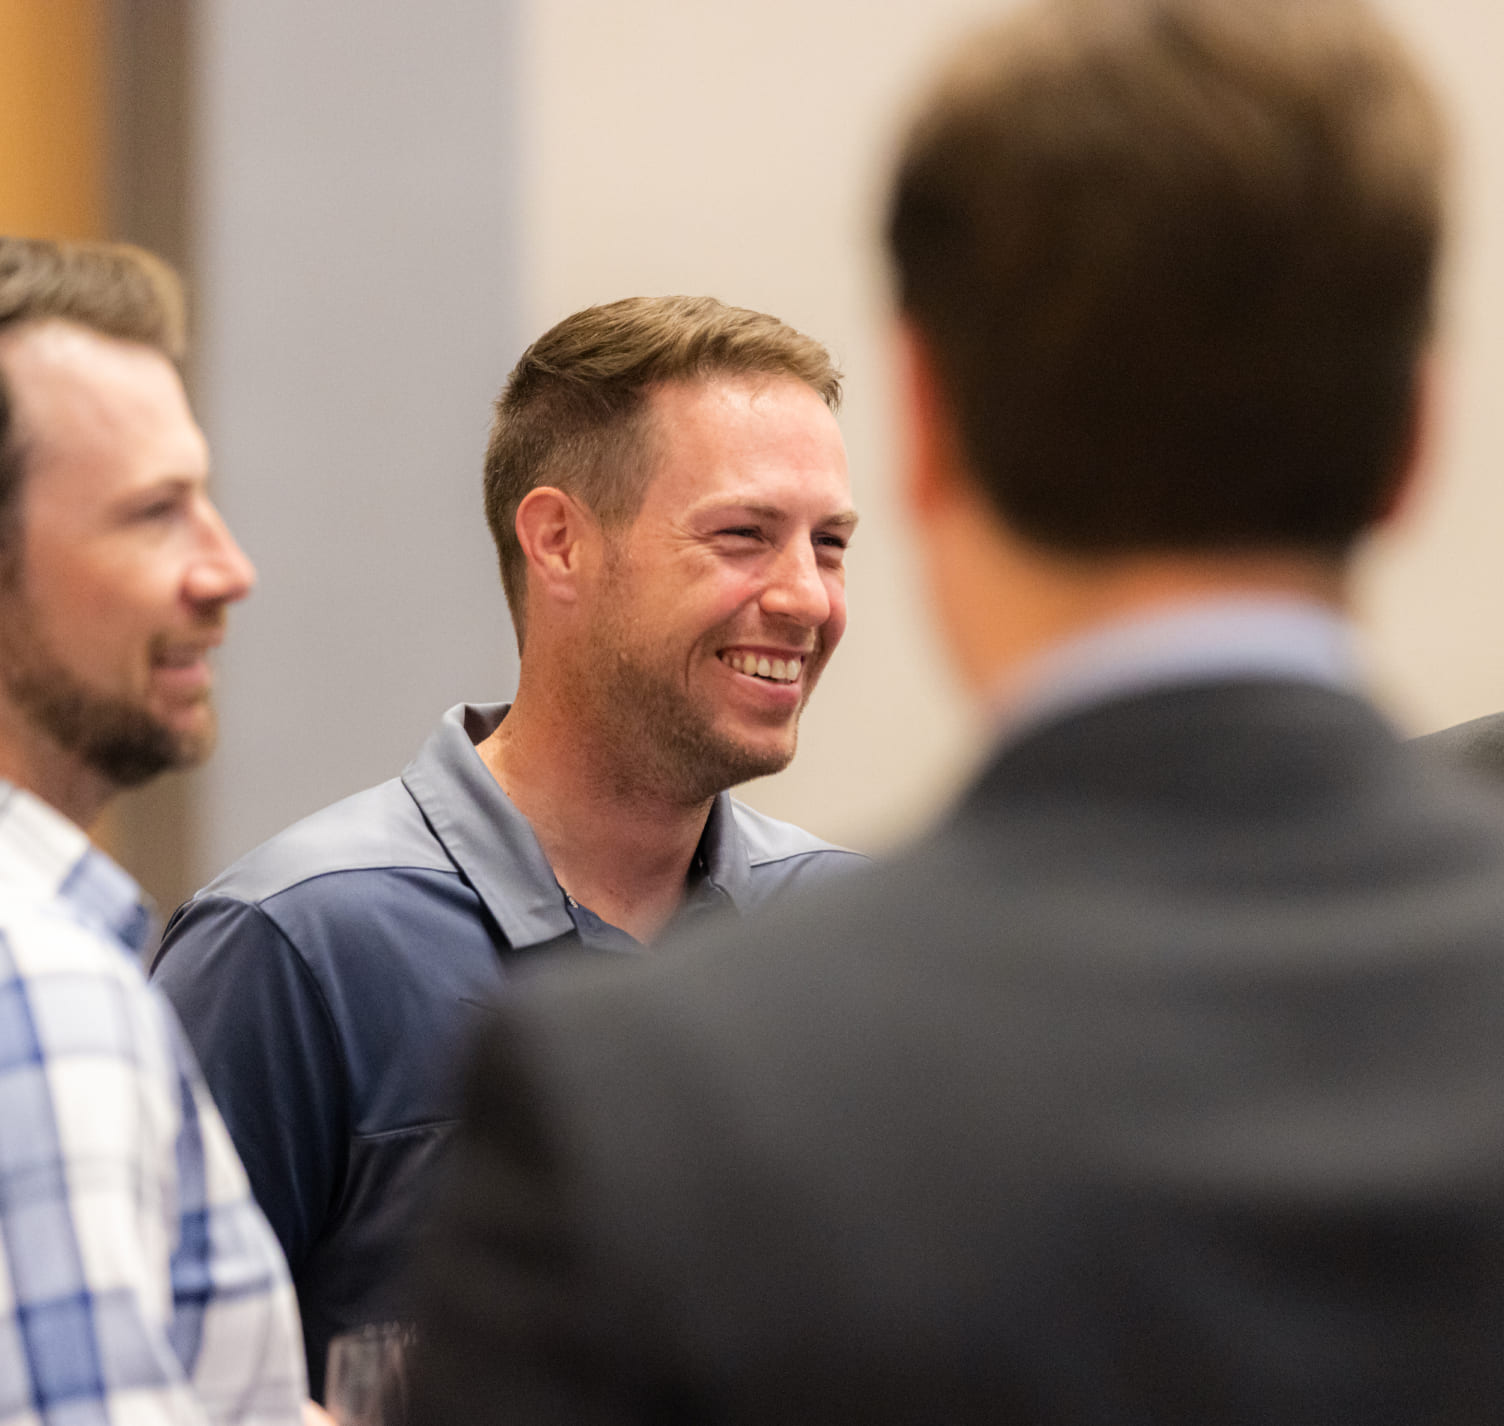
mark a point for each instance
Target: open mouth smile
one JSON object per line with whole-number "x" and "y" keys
{"x": 764, "y": 666}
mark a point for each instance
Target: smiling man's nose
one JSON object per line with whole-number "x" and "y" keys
{"x": 797, "y": 590}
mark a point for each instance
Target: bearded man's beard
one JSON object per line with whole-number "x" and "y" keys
{"x": 120, "y": 740}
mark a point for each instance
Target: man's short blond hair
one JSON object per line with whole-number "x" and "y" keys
{"x": 1175, "y": 262}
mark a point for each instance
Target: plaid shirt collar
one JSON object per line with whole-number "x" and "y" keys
{"x": 45, "y": 856}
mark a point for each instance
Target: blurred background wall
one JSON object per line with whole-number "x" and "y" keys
{"x": 380, "y": 205}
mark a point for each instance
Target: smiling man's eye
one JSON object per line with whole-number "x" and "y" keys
{"x": 164, "y": 504}
{"x": 743, "y": 532}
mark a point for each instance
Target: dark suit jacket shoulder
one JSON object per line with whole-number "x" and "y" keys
{"x": 1475, "y": 746}
{"x": 1163, "y": 1083}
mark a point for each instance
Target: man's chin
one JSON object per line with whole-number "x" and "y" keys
{"x": 745, "y": 759}
{"x": 130, "y": 756}
{"x": 194, "y": 730}
{"x": 124, "y": 742}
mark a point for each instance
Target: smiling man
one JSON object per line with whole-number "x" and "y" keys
{"x": 137, "y": 1279}
{"x": 667, "y": 488}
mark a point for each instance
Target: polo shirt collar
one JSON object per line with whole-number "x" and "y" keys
{"x": 493, "y": 845}
{"x": 722, "y": 856}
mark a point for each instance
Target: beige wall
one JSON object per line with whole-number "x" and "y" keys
{"x": 1432, "y": 595}
{"x": 391, "y": 201}
{"x": 739, "y": 150}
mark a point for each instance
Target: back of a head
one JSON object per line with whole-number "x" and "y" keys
{"x": 1174, "y": 263}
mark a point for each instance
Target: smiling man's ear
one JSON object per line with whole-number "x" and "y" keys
{"x": 560, "y": 538}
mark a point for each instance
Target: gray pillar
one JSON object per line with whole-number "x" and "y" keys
{"x": 355, "y": 172}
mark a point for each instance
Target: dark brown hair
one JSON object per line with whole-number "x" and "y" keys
{"x": 1174, "y": 261}
{"x": 111, "y": 288}
{"x": 573, "y": 412}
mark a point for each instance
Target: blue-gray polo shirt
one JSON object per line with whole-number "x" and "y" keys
{"x": 330, "y": 980}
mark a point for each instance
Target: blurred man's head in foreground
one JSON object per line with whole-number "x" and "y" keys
{"x": 1171, "y": 264}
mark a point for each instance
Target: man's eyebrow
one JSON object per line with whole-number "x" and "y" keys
{"x": 168, "y": 482}
{"x": 840, "y": 520}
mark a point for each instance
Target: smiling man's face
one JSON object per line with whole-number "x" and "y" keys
{"x": 118, "y": 568}
{"x": 725, "y": 596}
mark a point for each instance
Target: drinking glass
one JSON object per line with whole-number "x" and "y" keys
{"x": 365, "y": 1383}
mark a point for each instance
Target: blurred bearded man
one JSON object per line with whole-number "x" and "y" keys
{"x": 141, "y": 1283}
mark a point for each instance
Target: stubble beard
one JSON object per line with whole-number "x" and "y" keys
{"x": 665, "y": 739}
{"x": 659, "y": 740}
{"x": 114, "y": 737}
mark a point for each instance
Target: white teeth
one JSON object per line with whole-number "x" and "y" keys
{"x": 760, "y": 666}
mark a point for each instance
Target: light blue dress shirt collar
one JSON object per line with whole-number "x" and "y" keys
{"x": 1208, "y": 641}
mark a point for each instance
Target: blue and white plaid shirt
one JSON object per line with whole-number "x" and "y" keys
{"x": 139, "y": 1282}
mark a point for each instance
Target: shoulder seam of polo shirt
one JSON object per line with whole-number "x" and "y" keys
{"x": 409, "y": 909}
